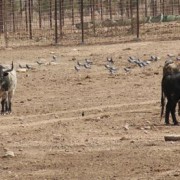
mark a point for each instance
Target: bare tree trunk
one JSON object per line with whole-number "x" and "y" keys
{"x": 50, "y": 13}
{"x": 91, "y": 7}
{"x": 72, "y": 11}
{"x": 13, "y": 14}
{"x": 39, "y": 11}
{"x": 163, "y": 7}
{"x": 56, "y": 24}
{"x": 101, "y": 6}
{"x": 110, "y": 9}
{"x": 30, "y": 20}
{"x": 121, "y": 6}
{"x": 82, "y": 21}
{"x": 93, "y": 15}
{"x": 32, "y": 9}
{"x": 21, "y": 8}
{"x": 172, "y": 5}
{"x": 62, "y": 12}
{"x": 60, "y": 17}
{"x": 127, "y": 9}
{"x": 26, "y": 14}
{"x": 146, "y": 8}
{"x": 1, "y": 17}
{"x": 132, "y": 19}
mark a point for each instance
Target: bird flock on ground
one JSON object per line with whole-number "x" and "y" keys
{"x": 171, "y": 58}
{"x": 87, "y": 64}
{"x": 39, "y": 62}
{"x": 112, "y": 69}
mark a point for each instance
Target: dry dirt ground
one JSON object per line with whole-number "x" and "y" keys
{"x": 120, "y": 135}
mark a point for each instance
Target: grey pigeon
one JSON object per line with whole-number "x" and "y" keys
{"x": 28, "y": 66}
{"x": 77, "y": 68}
{"x": 54, "y": 58}
{"x": 170, "y": 55}
{"x": 107, "y": 66}
{"x": 140, "y": 64}
{"x": 88, "y": 61}
{"x": 178, "y": 58}
{"x": 131, "y": 60}
{"x": 110, "y": 60}
{"x": 153, "y": 58}
{"x": 87, "y": 66}
{"x": 127, "y": 69}
{"x": 113, "y": 70}
{"x": 39, "y": 62}
{"x": 79, "y": 64}
{"x": 21, "y": 66}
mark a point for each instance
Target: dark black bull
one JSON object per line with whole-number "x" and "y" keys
{"x": 170, "y": 88}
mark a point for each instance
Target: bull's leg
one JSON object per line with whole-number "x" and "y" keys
{"x": 6, "y": 106}
{"x": 9, "y": 101}
{"x": 173, "y": 109}
{"x": 179, "y": 108}
{"x": 3, "y": 106}
{"x": 10, "y": 105}
{"x": 168, "y": 108}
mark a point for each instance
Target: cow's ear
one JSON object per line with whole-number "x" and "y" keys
{"x": 5, "y": 74}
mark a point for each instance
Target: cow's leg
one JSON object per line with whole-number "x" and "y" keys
{"x": 168, "y": 109}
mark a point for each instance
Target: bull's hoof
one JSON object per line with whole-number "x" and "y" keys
{"x": 176, "y": 123}
{"x": 3, "y": 113}
{"x": 167, "y": 123}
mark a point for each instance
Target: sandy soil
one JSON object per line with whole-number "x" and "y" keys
{"x": 120, "y": 135}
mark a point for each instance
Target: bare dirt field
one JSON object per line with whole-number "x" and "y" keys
{"x": 120, "y": 135}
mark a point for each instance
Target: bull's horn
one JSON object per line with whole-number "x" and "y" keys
{"x": 9, "y": 70}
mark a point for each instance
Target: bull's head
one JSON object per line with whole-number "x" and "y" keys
{"x": 4, "y": 83}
